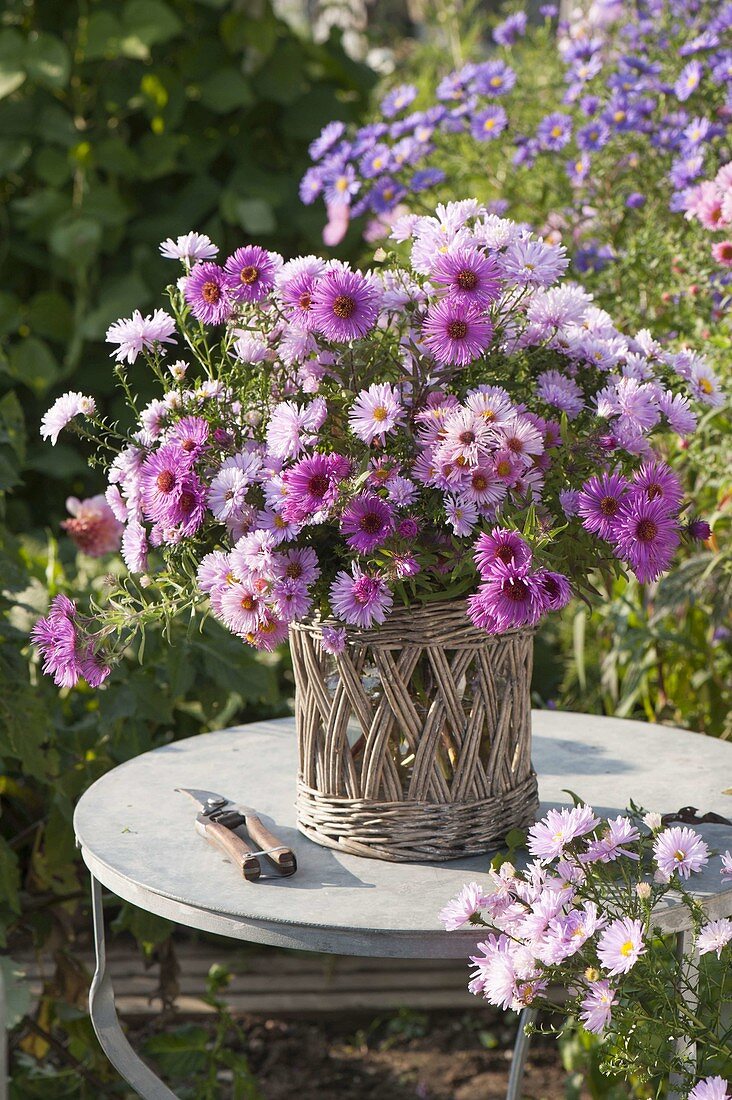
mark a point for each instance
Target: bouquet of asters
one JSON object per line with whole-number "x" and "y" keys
{"x": 338, "y": 443}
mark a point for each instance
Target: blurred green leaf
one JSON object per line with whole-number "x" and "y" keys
{"x": 32, "y": 363}
{"x": 47, "y": 60}
{"x": 226, "y": 90}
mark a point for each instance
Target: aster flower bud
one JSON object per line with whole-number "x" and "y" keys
{"x": 643, "y": 890}
{"x": 592, "y": 974}
{"x": 652, "y": 821}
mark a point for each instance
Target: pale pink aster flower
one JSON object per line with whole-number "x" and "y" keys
{"x": 293, "y": 427}
{"x": 621, "y": 945}
{"x": 463, "y": 906}
{"x": 597, "y": 1007}
{"x": 134, "y": 547}
{"x": 117, "y": 503}
{"x": 254, "y": 553}
{"x": 400, "y": 491}
{"x": 491, "y": 403}
{"x": 63, "y": 411}
{"x": 726, "y": 869}
{"x": 94, "y": 528}
{"x": 653, "y": 821}
{"x": 680, "y": 850}
{"x": 242, "y": 609}
{"x": 227, "y": 493}
{"x": 715, "y": 936}
{"x": 298, "y": 563}
{"x": 189, "y": 247}
{"x": 281, "y": 529}
{"x": 704, "y": 384}
{"x": 465, "y": 438}
{"x": 711, "y": 1088}
{"x": 553, "y": 833}
{"x": 250, "y": 348}
{"x": 333, "y": 640}
{"x": 270, "y": 633}
{"x": 613, "y": 842}
{"x": 462, "y": 515}
{"x": 214, "y": 571}
{"x": 521, "y": 438}
{"x": 677, "y": 410}
{"x": 375, "y": 412}
{"x": 137, "y": 333}
{"x": 359, "y": 598}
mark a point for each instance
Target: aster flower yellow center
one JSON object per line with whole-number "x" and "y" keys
{"x": 341, "y": 183}
{"x": 249, "y": 275}
{"x": 279, "y": 522}
{"x": 679, "y": 856}
{"x": 627, "y": 948}
{"x": 343, "y": 306}
{"x": 705, "y": 385}
{"x": 556, "y": 131}
{"x": 457, "y": 330}
{"x": 210, "y": 292}
{"x": 496, "y": 81}
{"x": 165, "y": 481}
{"x": 479, "y": 482}
{"x": 503, "y": 468}
{"x": 618, "y": 116}
{"x": 230, "y": 578}
{"x": 377, "y": 163}
{"x": 489, "y": 124}
{"x": 646, "y": 530}
{"x": 578, "y": 166}
{"x": 380, "y": 414}
{"x": 592, "y": 974}
{"x": 248, "y": 603}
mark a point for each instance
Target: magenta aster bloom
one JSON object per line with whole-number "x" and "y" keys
{"x": 300, "y": 563}
{"x": 250, "y": 273}
{"x": 656, "y": 481}
{"x": 312, "y": 486}
{"x": 597, "y": 1007}
{"x": 455, "y": 334}
{"x": 715, "y": 936}
{"x": 67, "y": 655}
{"x": 163, "y": 475}
{"x": 94, "y": 528}
{"x": 359, "y": 598}
{"x": 621, "y": 945}
{"x": 367, "y": 522}
{"x": 549, "y": 837}
{"x": 679, "y": 850}
{"x": 501, "y": 545}
{"x": 375, "y": 412}
{"x": 295, "y": 284}
{"x": 508, "y": 599}
{"x": 555, "y": 588}
{"x": 461, "y": 908}
{"x": 63, "y": 411}
{"x": 711, "y": 1088}
{"x": 270, "y": 633}
{"x": 207, "y": 293}
{"x": 468, "y": 276}
{"x": 291, "y": 599}
{"x": 191, "y": 435}
{"x": 599, "y": 503}
{"x": 189, "y": 509}
{"x": 345, "y": 305}
{"x": 646, "y": 536}
{"x": 137, "y": 333}
{"x": 333, "y": 639}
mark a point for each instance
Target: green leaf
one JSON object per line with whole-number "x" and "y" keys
{"x": 578, "y": 631}
{"x": 253, "y": 215}
{"x": 14, "y": 152}
{"x": 11, "y": 316}
{"x": 32, "y": 362}
{"x": 12, "y": 424}
{"x": 49, "y": 314}
{"x": 76, "y": 241}
{"x": 104, "y": 32}
{"x": 9, "y": 472}
{"x": 47, "y": 61}
{"x": 14, "y": 990}
{"x": 147, "y": 22}
{"x": 10, "y": 80}
{"x": 226, "y": 90}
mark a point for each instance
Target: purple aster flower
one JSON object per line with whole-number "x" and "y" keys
{"x": 597, "y": 1007}
{"x": 548, "y": 839}
{"x": 397, "y": 100}
{"x": 592, "y": 136}
{"x": 465, "y": 905}
{"x": 679, "y": 850}
{"x": 206, "y": 292}
{"x": 555, "y": 588}
{"x": 426, "y": 178}
{"x": 726, "y": 868}
{"x": 242, "y": 609}
{"x": 340, "y": 183}
{"x": 612, "y": 842}
{"x": 688, "y": 80}
{"x": 621, "y": 945}
{"x": 375, "y": 412}
{"x": 455, "y": 334}
{"x": 270, "y": 633}
{"x": 635, "y": 200}
{"x": 528, "y": 262}
{"x": 367, "y": 522}
{"x": 188, "y": 248}
{"x": 311, "y": 185}
{"x": 67, "y": 654}
{"x": 715, "y": 936}
{"x": 137, "y": 333}
{"x": 504, "y": 546}
{"x": 711, "y": 1088}
{"x": 345, "y": 305}
{"x": 298, "y": 563}
{"x": 250, "y": 273}
{"x": 63, "y": 411}
{"x": 507, "y": 600}
{"x": 135, "y": 547}
{"x": 677, "y": 410}
{"x": 554, "y": 131}
{"x": 494, "y": 78}
{"x": 513, "y": 27}
{"x": 333, "y": 640}
{"x": 468, "y": 276}
{"x": 329, "y": 135}
{"x": 191, "y": 435}
{"x": 560, "y": 391}
{"x": 359, "y": 598}
{"x": 487, "y": 124}
{"x": 698, "y": 529}
{"x": 291, "y": 599}
{"x": 189, "y": 509}
{"x": 386, "y": 194}
{"x": 312, "y": 486}
{"x": 646, "y": 536}
{"x": 657, "y": 481}
{"x": 162, "y": 476}
{"x": 600, "y": 502}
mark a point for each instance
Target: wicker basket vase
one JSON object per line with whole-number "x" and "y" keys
{"x": 415, "y": 742}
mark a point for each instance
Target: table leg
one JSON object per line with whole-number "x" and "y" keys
{"x": 520, "y": 1054}
{"x": 106, "y": 1022}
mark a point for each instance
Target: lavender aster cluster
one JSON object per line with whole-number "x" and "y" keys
{"x": 342, "y": 442}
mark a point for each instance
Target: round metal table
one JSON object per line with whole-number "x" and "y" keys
{"x": 137, "y": 837}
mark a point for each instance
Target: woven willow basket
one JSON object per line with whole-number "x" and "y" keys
{"x": 415, "y": 742}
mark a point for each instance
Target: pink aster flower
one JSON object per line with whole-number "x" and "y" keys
{"x": 366, "y": 522}
{"x": 715, "y": 936}
{"x": 468, "y": 276}
{"x": 375, "y": 412}
{"x": 556, "y": 589}
{"x": 214, "y": 572}
{"x": 613, "y": 842}
{"x": 312, "y": 486}
{"x": 63, "y": 411}
{"x": 293, "y": 427}
{"x": 333, "y": 640}
{"x": 462, "y": 515}
{"x": 207, "y": 293}
{"x": 455, "y": 334}
{"x": 711, "y": 1088}
{"x": 135, "y": 547}
{"x": 67, "y": 651}
{"x": 291, "y": 599}
{"x": 94, "y": 528}
{"x": 242, "y": 609}
{"x": 560, "y": 391}
{"x": 521, "y": 438}
{"x": 726, "y": 868}
{"x": 295, "y": 283}
{"x": 550, "y": 836}
{"x": 137, "y": 333}
{"x": 646, "y": 536}
{"x": 189, "y": 247}
{"x": 599, "y": 502}
{"x": 677, "y": 410}
{"x": 466, "y": 438}
{"x": 507, "y": 600}
{"x": 722, "y": 253}
{"x": 162, "y": 477}
{"x": 461, "y": 908}
{"x": 657, "y": 481}
{"x": 359, "y": 598}
{"x": 597, "y": 1007}
{"x": 501, "y": 545}
{"x": 227, "y": 493}
{"x": 680, "y": 850}
{"x": 250, "y": 273}
{"x": 621, "y": 945}
{"x": 299, "y": 563}
{"x": 345, "y": 305}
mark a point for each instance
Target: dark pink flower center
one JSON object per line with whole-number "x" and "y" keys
{"x": 466, "y": 280}
{"x": 457, "y": 330}
{"x": 646, "y": 530}
{"x": 318, "y": 485}
{"x": 516, "y": 590}
{"x": 505, "y": 554}
{"x": 467, "y": 437}
{"x": 364, "y": 590}
{"x": 211, "y": 292}
{"x": 370, "y": 523}
{"x": 609, "y": 506}
{"x": 165, "y": 481}
{"x": 344, "y": 306}
{"x": 294, "y": 570}
{"x": 654, "y": 491}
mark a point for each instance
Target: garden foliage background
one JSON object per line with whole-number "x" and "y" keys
{"x": 122, "y": 123}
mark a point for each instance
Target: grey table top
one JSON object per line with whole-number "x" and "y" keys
{"x": 138, "y": 838}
